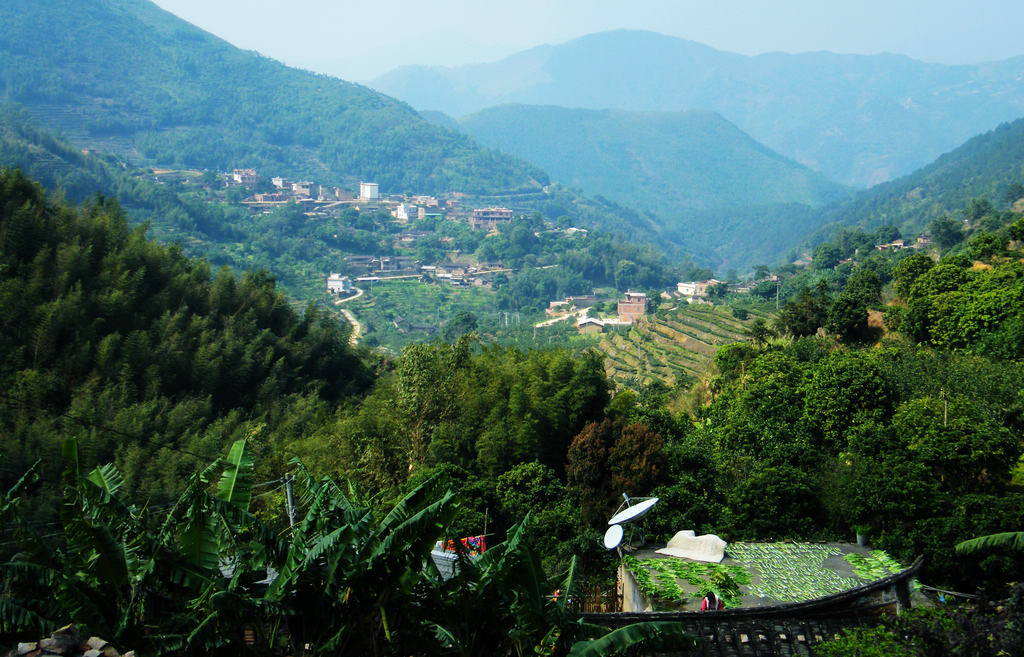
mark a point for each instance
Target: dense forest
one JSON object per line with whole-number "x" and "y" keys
{"x": 146, "y": 355}
{"x": 827, "y": 422}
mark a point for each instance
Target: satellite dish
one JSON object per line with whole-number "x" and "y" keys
{"x": 613, "y": 537}
{"x": 633, "y": 512}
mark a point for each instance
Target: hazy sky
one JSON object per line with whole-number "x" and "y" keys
{"x": 359, "y": 41}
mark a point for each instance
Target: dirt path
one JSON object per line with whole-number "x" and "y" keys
{"x": 548, "y": 322}
{"x": 357, "y": 328}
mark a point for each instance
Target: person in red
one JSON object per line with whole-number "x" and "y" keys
{"x": 711, "y": 602}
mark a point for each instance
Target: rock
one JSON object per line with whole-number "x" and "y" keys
{"x": 64, "y": 641}
{"x": 92, "y": 652}
{"x": 25, "y": 648}
{"x": 97, "y": 643}
{"x": 130, "y": 653}
{"x": 110, "y": 651}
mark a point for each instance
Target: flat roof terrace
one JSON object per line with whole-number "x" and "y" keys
{"x": 767, "y": 574}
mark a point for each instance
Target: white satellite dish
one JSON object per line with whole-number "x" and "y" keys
{"x": 633, "y": 512}
{"x": 613, "y": 537}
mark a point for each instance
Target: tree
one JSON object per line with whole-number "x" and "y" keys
{"x": 826, "y": 256}
{"x": 462, "y": 324}
{"x": 636, "y": 462}
{"x": 848, "y": 318}
{"x": 865, "y": 285}
{"x": 965, "y": 449}
{"x": 586, "y": 470}
{"x": 909, "y": 270}
{"x": 803, "y": 315}
{"x": 887, "y": 234}
{"x": 759, "y": 332}
{"x": 978, "y": 208}
{"x": 983, "y": 245}
{"x": 846, "y": 389}
{"x": 946, "y": 232}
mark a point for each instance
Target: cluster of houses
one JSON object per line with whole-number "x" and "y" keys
{"x": 630, "y": 309}
{"x": 320, "y": 200}
{"x": 375, "y": 269}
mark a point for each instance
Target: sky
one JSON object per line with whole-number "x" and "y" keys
{"x": 360, "y": 41}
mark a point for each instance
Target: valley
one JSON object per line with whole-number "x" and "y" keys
{"x": 291, "y": 367}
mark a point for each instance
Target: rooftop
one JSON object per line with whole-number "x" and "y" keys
{"x": 769, "y": 574}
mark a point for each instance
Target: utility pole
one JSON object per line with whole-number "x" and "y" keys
{"x": 777, "y": 285}
{"x": 289, "y": 500}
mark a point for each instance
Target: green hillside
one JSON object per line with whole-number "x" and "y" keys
{"x": 144, "y": 354}
{"x": 127, "y": 77}
{"x": 664, "y": 162}
{"x": 989, "y": 166}
{"x": 673, "y": 346}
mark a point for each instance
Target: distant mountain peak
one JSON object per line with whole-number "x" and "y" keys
{"x": 846, "y": 116}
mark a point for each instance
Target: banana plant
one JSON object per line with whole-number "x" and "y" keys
{"x": 1011, "y": 540}
{"x": 108, "y": 568}
{"x": 351, "y": 584}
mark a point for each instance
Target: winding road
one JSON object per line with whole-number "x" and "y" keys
{"x": 357, "y": 328}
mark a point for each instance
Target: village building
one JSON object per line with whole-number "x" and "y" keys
{"x": 406, "y": 212}
{"x": 272, "y": 197}
{"x": 632, "y": 307}
{"x": 692, "y": 290}
{"x": 489, "y": 218}
{"x": 244, "y": 176}
{"x": 279, "y": 182}
{"x": 581, "y": 300}
{"x": 426, "y": 201}
{"x": 338, "y": 284}
{"x": 368, "y": 191}
{"x": 304, "y": 189}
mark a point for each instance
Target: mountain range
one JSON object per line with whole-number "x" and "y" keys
{"x": 666, "y": 163}
{"x": 858, "y": 119}
{"x": 128, "y": 77}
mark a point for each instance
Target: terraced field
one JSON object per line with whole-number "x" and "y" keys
{"x": 672, "y": 347}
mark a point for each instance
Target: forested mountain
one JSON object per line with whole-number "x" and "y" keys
{"x": 144, "y": 354}
{"x": 989, "y": 167}
{"x": 128, "y": 77}
{"x": 857, "y": 119}
{"x": 663, "y": 162}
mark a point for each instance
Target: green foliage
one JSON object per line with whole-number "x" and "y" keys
{"x": 848, "y": 318}
{"x": 875, "y": 565}
{"x": 791, "y": 572}
{"x": 152, "y": 359}
{"x": 805, "y": 314}
{"x": 986, "y": 627}
{"x": 659, "y": 579}
{"x": 864, "y": 642}
{"x": 977, "y": 310}
{"x": 347, "y": 578}
{"x": 909, "y": 270}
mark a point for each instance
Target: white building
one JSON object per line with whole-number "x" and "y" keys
{"x": 406, "y": 212}
{"x": 338, "y": 284}
{"x": 368, "y": 191}
{"x": 304, "y": 188}
{"x": 244, "y": 176}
